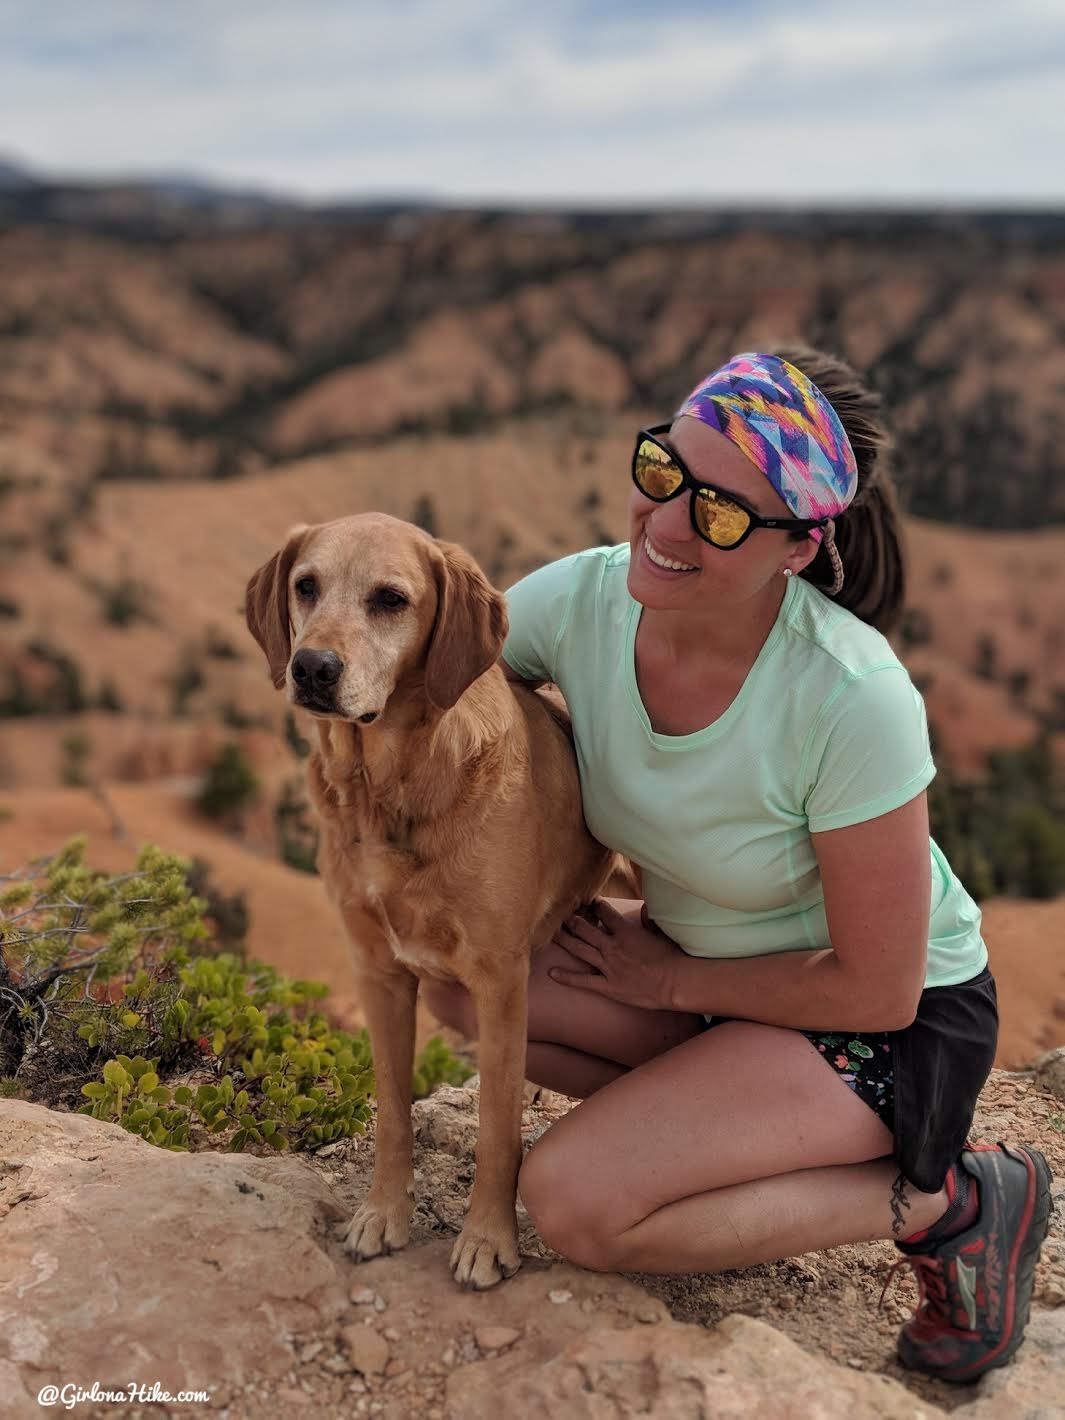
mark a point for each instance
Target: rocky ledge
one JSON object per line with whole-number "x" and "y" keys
{"x": 122, "y": 1264}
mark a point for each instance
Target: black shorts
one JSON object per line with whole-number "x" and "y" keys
{"x": 923, "y": 1081}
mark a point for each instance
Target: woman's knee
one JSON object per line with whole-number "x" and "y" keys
{"x": 562, "y": 1211}
{"x": 452, "y": 1005}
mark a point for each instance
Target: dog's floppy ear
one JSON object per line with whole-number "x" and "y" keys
{"x": 470, "y": 626}
{"x": 266, "y": 604}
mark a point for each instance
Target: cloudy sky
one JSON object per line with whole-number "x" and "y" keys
{"x": 573, "y": 101}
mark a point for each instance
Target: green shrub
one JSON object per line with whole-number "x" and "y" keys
{"x": 107, "y": 997}
{"x": 69, "y": 933}
{"x": 1004, "y": 833}
{"x": 225, "y": 913}
{"x": 424, "y": 515}
{"x": 237, "y": 719}
{"x": 124, "y": 600}
{"x": 63, "y": 695}
{"x": 229, "y": 785}
{"x": 295, "y": 741}
{"x": 76, "y": 751}
{"x": 218, "y": 647}
{"x": 282, "y": 1076}
{"x": 297, "y": 835}
{"x": 186, "y": 680}
{"x": 108, "y": 698}
{"x": 1032, "y": 852}
{"x": 437, "y": 1066}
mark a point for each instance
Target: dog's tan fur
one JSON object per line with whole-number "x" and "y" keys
{"x": 452, "y": 839}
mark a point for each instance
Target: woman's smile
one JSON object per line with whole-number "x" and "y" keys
{"x": 660, "y": 563}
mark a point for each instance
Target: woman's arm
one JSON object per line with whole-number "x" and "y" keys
{"x": 511, "y": 674}
{"x": 877, "y": 884}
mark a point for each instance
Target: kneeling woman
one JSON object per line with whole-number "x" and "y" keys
{"x": 781, "y": 1048}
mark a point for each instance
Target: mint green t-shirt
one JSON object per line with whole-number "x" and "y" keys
{"x": 827, "y": 730}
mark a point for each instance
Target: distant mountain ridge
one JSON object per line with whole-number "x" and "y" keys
{"x": 228, "y": 336}
{"x": 14, "y": 177}
{"x": 171, "y": 402}
{"x": 156, "y": 203}
{"x": 139, "y": 204}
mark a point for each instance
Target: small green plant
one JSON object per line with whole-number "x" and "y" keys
{"x": 62, "y": 695}
{"x": 68, "y": 932}
{"x": 1057, "y": 1121}
{"x": 1031, "y": 851}
{"x": 295, "y": 741}
{"x": 229, "y": 785}
{"x": 297, "y": 835}
{"x": 76, "y": 751}
{"x": 108, "y": 698}
{"x": 225, "y": 913}
{"x": 424, "y": 515}
{"x": 218, "y": 647}
{"x": 186, "y": 680}
{"x": 436, "y": 1065}
{"x": 130, "y": 1093}
{"x": 1004, "y": 833}
{"x": 123, "y": 601}
{"x": 108, "y": 998}
{"x": 237, "y": 719}
{"x": 275, "y": 1083}
{"x": 915, "y": 628}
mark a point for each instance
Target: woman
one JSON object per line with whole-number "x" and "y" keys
{"x": 779, "y": 1050}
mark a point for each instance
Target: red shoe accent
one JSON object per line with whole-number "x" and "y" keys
{"x": 976, "y": 1285}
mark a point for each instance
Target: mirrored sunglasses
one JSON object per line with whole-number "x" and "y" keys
{"x": 719, "y": 518}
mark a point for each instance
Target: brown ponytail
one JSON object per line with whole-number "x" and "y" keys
{"x": 868, "y": 535}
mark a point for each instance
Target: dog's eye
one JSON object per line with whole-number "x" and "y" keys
{"x": 388, "y": 599}
{"x": 305, "y": 587}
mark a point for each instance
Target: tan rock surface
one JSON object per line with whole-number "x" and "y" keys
{"x": 742, "y": 1368}
{"x": 121, "y": 1262}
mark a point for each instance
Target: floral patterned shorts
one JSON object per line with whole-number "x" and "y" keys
{"x": 862, "y": 1061}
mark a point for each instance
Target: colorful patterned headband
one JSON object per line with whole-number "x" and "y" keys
{"x": 785, "y": 425}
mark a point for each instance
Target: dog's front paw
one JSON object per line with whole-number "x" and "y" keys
{"x": 379, "y": 1227}
{"x": 483, "y": 1256}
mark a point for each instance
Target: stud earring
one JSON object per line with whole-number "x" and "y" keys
{"x": 788, "y": 572}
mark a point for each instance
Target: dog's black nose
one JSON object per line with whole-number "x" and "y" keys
{"x": 316, "y": 671}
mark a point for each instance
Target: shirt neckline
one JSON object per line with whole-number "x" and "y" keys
{"x": 725, "y": 720}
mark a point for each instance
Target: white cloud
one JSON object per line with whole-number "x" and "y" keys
{"x": 488, "y": 100}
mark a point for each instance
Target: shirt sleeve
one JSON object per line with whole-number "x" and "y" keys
{"x": 537, "y": 610}
{"x": 867, "y": 752}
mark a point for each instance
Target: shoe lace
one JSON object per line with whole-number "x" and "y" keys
{"x": 931, "y": 1286}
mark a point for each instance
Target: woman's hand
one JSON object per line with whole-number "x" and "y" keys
{"x": 629, "y": 962}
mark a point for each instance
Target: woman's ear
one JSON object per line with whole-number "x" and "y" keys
{"x": 801, "y": 555}
{"x": 470, "y": 626}
{"x": 266, "y": 604}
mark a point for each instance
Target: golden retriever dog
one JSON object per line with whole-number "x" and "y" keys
{"x": 452, "y": 839}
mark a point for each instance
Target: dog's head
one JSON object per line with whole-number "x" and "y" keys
{"x": 347, "y": 611}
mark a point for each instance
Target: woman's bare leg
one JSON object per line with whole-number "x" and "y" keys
{"x": 570, "y": 1072}
{"x": 739, "y": 1146}
{"x": 761, "y": 1221}
{"x": 577, "y": 1042}
{"x": 695, "y": 1151}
